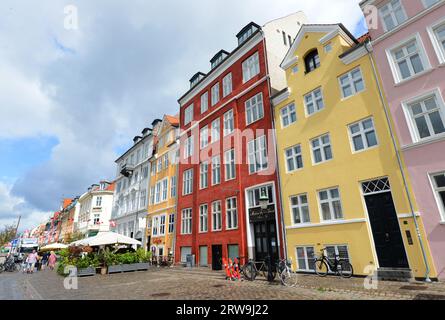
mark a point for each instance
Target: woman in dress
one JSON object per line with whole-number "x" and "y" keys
{"x": 52, "y": 260}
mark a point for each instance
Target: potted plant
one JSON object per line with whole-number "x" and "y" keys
{"x": 86, "y": 266}
{"x": 143, "y": 259}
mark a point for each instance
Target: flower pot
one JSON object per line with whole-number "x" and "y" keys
{"x": 114, "y": 269}
{"x": 103, "y": 270}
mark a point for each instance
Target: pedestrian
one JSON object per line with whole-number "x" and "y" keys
{"x": 45, "y": 260}
{"x": 52, "y": 260}
{"x": 31, "y": 261}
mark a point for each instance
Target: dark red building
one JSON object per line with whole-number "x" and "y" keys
{"x": 227, "y": 153}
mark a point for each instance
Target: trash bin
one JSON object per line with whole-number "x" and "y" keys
{"x": 190, "y": 261}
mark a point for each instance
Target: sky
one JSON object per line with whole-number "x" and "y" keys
{"x": 72, "y": 97}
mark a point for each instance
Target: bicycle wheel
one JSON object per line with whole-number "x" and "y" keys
{"x": 2, "y": 268}
{"x": 272, "y": 275}
{"x": 288, "y": 278}
{"x": 249, "y": 271}
{"x": 18, "y": 267}
{"x": 321, "y": 268}
{"x": 346, "y": 269}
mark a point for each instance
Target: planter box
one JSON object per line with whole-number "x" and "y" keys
{"x": 129, "y": 267}
{"x": 115, "y": 269}
{"x": 90, "y": 271}
{"x": 142, "y": 266}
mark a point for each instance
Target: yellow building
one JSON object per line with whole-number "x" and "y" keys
{"x": 163, "y": 188}
{"x": 342, "y": 187}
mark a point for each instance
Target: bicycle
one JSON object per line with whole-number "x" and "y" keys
{"x": 341, "y": 267}
{"x": 251, "y": 270}
{"x": 287, "y": 276}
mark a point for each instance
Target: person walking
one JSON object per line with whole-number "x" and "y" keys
{"x": 52, "y": 260}
{"x": 44, "y": 260}
{"x": 31, "y": 262}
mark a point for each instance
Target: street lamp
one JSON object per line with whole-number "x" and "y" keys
{"x": 264, "y": 199}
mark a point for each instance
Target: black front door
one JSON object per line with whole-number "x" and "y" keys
{"x": 265, "y": 240}
{"x": 386, "y": 231}
{"x": 216, "y": 257}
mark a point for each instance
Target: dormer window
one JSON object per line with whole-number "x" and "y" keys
{"x": 196, "y": 78}
{"x": 312, "y": 61}
{"x": 246, "y": 32}
{"x": 218, "y": 58}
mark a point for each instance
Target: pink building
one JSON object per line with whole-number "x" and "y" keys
{"x": 408, "y": 39}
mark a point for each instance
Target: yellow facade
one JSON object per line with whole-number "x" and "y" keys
{"x": 347, "y": 169}
{"x": 163, "y": 189}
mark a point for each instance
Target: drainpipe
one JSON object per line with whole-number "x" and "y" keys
{"x": 399, "y": 160}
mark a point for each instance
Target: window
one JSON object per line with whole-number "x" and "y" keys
{"x": 254, "y": 109}
{"x": 188, "y": 115}
{"x": 187, "y": 187}
{"x": 216, "y": 130}
{"x": 288, "y": 115}
{"x": 314, "y": 101}
{"x": 429, "y": 3}
{"x": 98, "y": 201}
{"x": 145, "y": 172}
{"x": 215, "y": 94}
{"x": 216, "y": 216}
{"x": 254, "y": 196}
{"x": 216, "y": 170}
{"x": 204, "y": 137}
{"x": 164, "y": 189}
{"x": 294, "y": 159}
{"x": 188, "y": 147}
{"x": 251, "y": 67}
{"x": 257, "y": 152}
{"x": 363, "y": 135}
{"x": 229, "y": 157}
{"x": 227, "y": 85}
{"x": 96, "y": 219}
{"x": 166, "y": 161}
{"x": 305, "y": 258}
{"x": 171, "y": 223}
{"x": 337, "y": 250}
{"x": 153, "y": 168}
{"x": 427, "y": 116}
{"x": 437, "y": 35}
{"x": 186, "y": 221}
{"x": 155, "y": 227}
{"x": 204, "y": 102}
{"x": 143, "y": 198}
{"x": 392, "y": 15}
{"x": 152, "y": 195}
{"x": 312, "y": 61}
{"x": 203, "y": 175}
{"x": 229, "y": 125}
{"x": 351, "y": 83}
{"x": 284, "y": 38}
{"x": 161, "y": 191}
{"x": 162, "y": 225}
{"x": 330, "y": 204}
{"x": 439, "y": 189}
{"x": 300, "y": 209}
{"x": 159, "y": 165}
{"x": 321, "y": 149}
{"x": 173, "y": 187}
{"x": 232, "y": 214}
{"x": 203, "y": 218}
{"x": 409, "y": 59}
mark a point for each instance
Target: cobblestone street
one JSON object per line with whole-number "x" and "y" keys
{"x": 181, "y": 283}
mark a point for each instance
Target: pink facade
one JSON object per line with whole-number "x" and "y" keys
{"x": 410, "y": 54}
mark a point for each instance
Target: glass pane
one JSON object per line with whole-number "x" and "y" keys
{"x": 430, "y": 104}
{"x": 404, "y": 69}
{"x": 337, "y": 210}
{"x": 417, "y": 63}
{"x": 424, "y": 132}
{"x": 359, "y": 85}
{"x": 334, "y": 193}
{"x": 440, "y": 181}
{"x": 355, "y": 128}
{"x": 323, "y": 195}
{"x": 411, "y": 48}
{"x": 367, "y": 124}
{"x": 325, "y": 139}
{"x": 294, "y": 201}
{"x": 328, "y": 152}
{"x": 310, "y": 108}
{"x": 303, "y": 199}
{"x": 290, "y": 164}
{"x": 347, "y": 91}
{"x": 358, "y": 143}
{"x": 389, "y": 23}
{"x": 399, "y": 54}
{"x": 416, "y": 109}
{"x": 305, "y": 211}
{"x": 317, "y": 156}
{"x": 310, "y": 257}
{"x": 371, "y": 139}
{"x": 326, "y": 211}
{"x": 442, "y": 197}
{"x": 344, "y": 80}
{"x": 296, "y": 214}
{"x": 437, "y": 122}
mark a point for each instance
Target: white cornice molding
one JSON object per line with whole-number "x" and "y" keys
{"x": 249, "y": 45}
{"x": 354, "y": 55}
{"x": 325, "y": 224}
{"x": 281, "y": 97}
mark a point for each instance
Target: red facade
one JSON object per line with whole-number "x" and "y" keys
{"x": 215, "y": 244}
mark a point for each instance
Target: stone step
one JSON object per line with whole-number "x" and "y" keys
{"x": 395, "y": 274}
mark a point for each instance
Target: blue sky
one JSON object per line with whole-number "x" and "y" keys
{"x": 72, "y": 100}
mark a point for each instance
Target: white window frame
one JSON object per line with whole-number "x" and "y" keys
{"x": 432, "y": 5}
{"x": 351, "y": 83}
{"x": 438, "y": 48}
{"x": 422, "y": 54}
{"x": 306, "y": 258}
{"x": 362, "y": 133}
{"x": 258, "y": 154}
{"x": 321, "y": 147}
{"x": 285, "y": 112}
{"x": 314, "y": 102}
{"x": 300, "y": 206}
{"x": 436, "y": 190}
{"x": 216, "y": 214}
{"x": 410, "y": 120}
{"x": 215, "y": 94}
{"x": 173, "y": 187}
{"x": 215, "y": 131}
{"x": 171, "y": 223}
{"x": 188, "y": 147}
{"x": 188, "y": 114}
{"x": 393, "y": 17}
{"x": 203, "y": 175}
{"x": 251, "y": 67}
{"x": 229, "y": 123}
{"x": 233, "y": 212}
{"x": 216, "y": 170}
{"x": 203, "y": 218}
{"x": 254, "y": 106}
{"x": 204, "y": 137}
{"x": 293, "y": 157}
{"x": 227, "y": 85}
{"x": 204, "y": 102}
{"x": 331, "y": 207}
{"x": 229, "y": 163}
{"x": 186, "y": 221}
{"x": 187, "y": 187}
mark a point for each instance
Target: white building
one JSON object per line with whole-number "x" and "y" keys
{"x": 132, "y": 180}
{"x": 94, "y": 209}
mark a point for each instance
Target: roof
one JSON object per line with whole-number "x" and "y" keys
{"x": 364, "y": 38}
{"x": 247, "y": 27}
{"x": 216, "y": 56}
{"x": 174, "y": 120}
{"x": 66, "y": 202}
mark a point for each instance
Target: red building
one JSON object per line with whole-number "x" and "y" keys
{"x": 227, "y": 154}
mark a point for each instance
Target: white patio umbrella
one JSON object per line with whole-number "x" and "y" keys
{"x": 54, "y": 246}
{"x": 106, "y": 238}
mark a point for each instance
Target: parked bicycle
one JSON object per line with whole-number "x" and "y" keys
{"x": 287, "y": 276}
{"x": 336, "y": 265}
{"x": 10, "y": 265}
{"x": 252, "y": 268}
